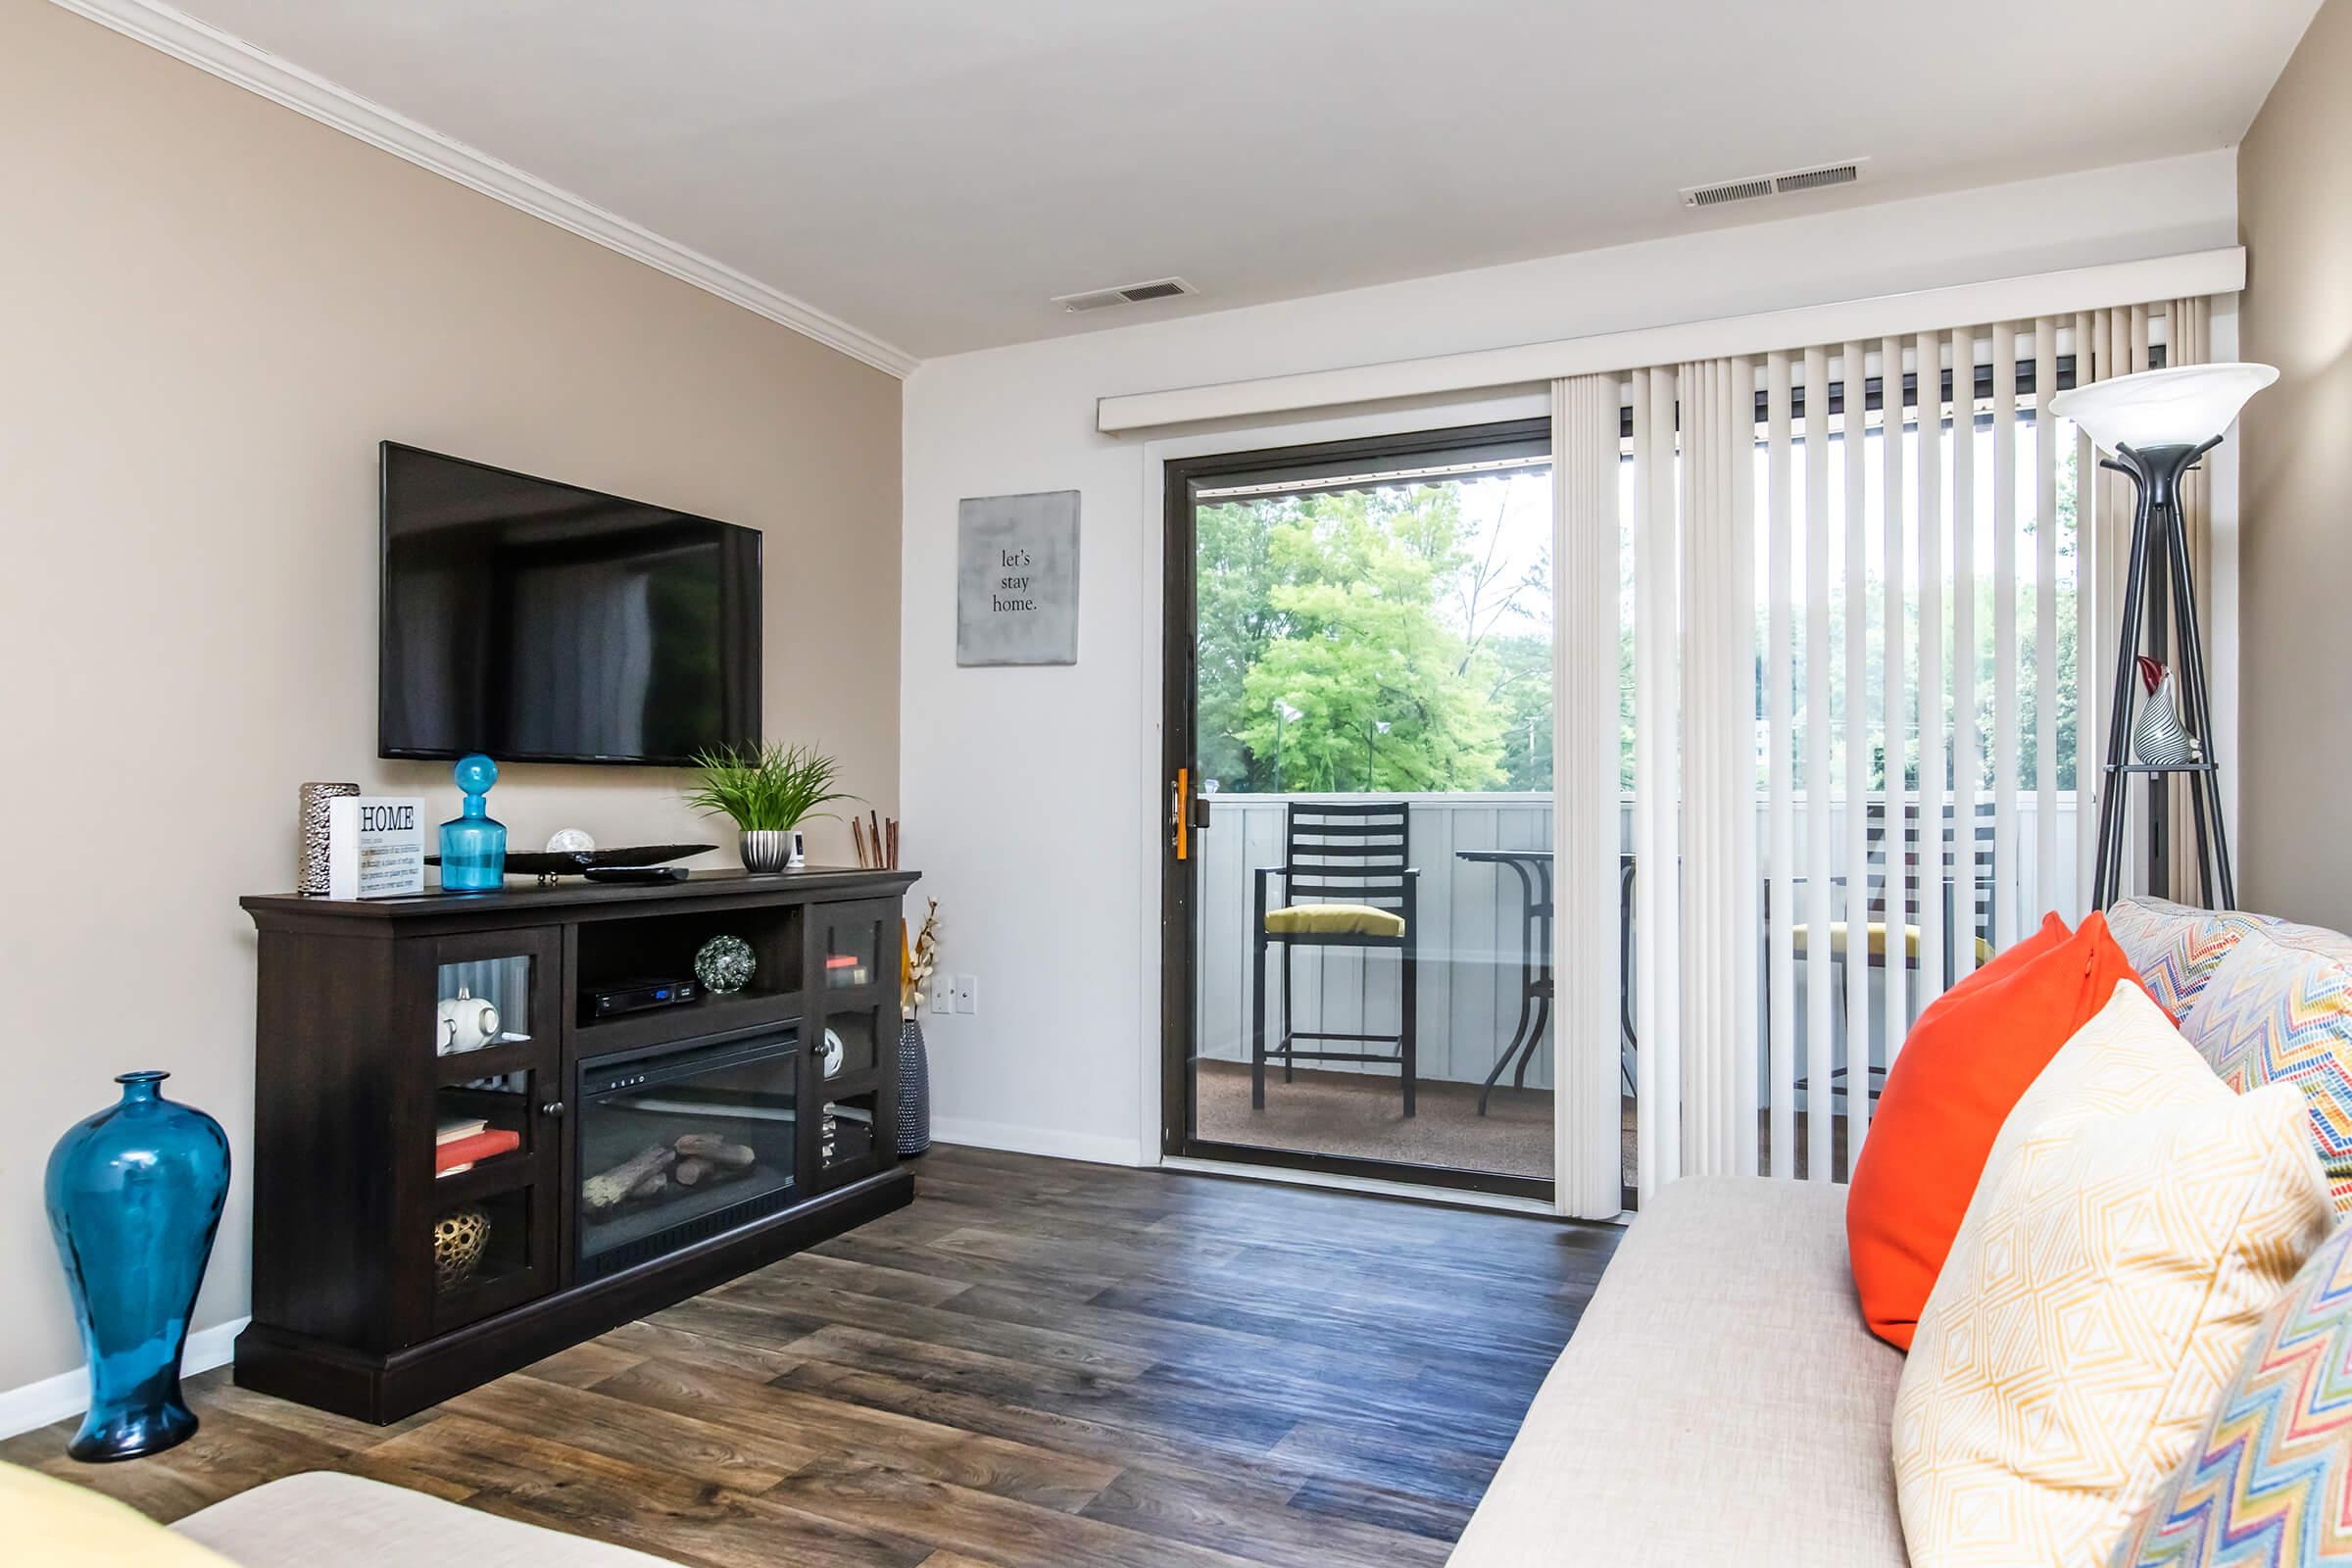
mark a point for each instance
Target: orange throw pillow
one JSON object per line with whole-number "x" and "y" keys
{"x": 1972, "y": 1055}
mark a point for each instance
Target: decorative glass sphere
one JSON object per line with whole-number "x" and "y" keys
{"x": 569, "y": 841}
{"x": 476, "y": 774}
{"x": 725, "y": 964}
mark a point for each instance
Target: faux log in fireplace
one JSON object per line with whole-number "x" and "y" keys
{"x": 436, "y": 1202}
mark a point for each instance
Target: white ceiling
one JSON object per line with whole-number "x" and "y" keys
{"x": 933, "y": 171}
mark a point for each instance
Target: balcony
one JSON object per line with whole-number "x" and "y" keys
{"x": 1470, "y": 991}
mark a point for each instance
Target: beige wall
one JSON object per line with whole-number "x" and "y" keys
{"x": 215, "y": 310}
{"x": 2294, "y": 175}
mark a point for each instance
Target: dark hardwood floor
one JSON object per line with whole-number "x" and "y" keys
{"x": 1039, "y": 1362}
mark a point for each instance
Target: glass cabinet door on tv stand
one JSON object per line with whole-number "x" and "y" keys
{"x": 488, "y": 1200}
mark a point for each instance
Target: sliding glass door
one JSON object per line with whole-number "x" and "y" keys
{"x": 1359, "y": 761}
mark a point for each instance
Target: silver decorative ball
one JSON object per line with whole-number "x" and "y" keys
{"x": 725, "y": 964}
{"x": 569, "y": 841}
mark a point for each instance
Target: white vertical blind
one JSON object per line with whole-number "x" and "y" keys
{"x": 1780, "y": 855}
{"x": 1657, "y": 850}
{"x": 1739, "y": 565}
{"x": 1967, "y": 760}
{"x": 1702, "y": 865}
{"x": 1587, "y": 1153}
{"x": 1894, "y": 892}
{"x": 1719, "y": 914}
{"x": 1854, "y": 760}
{"x": 2051, "y": 891}
{"x": 1929, "y": 348}
{"x": 2005, "y": 890}
{"x": 2090, "y": 695}
{"x": 1856, "y": 848}
{"x": 2188, "y": 341}
{"x": 2117, "y": 345}
{"x": 1819, "y": 951}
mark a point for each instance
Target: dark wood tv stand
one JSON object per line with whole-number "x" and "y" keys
{"x": 380, "y": 1288}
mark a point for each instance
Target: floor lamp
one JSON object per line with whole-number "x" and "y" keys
{"x": 2157, "y": 425}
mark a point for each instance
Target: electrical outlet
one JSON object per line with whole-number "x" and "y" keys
{"x": 967, "y": 993}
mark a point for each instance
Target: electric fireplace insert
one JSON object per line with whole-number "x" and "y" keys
{"x": 683, "y": 1142}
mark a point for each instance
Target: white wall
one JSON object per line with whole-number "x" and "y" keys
{"x": 1033, "y": 795}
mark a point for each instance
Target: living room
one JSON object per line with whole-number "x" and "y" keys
{"x": 1200, "y": 785}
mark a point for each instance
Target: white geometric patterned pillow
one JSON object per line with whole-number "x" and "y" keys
{"x": 2134, "y": 1222}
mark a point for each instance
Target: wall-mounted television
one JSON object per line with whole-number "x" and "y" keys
{"x": 541, "y": 622}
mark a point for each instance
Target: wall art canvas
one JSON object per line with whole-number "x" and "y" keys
{"x": 1016, "y": 579}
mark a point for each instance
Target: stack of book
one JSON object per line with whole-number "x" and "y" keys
{"x": 460, "y": 1142}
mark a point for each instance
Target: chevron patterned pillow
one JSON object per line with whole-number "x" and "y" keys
{"x": 2134, "y": 1221}
{"x": 2269, "y": 1480}
{"x": 2176, "y": 949}
{"x": 2279, "y": 1009}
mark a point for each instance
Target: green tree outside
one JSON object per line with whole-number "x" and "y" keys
{"x": 1414, "y": 655}
{"x": 1389, "y": 641}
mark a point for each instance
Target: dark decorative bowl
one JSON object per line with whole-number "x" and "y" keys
{"x": 571, "y": 862}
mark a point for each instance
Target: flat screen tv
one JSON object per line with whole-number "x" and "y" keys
{"x": 541, "y": 622}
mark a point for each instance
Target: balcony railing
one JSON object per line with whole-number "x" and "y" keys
{"x": 1470, "y": 925}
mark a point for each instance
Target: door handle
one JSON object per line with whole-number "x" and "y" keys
{"x": 1179, "y": 820}
{"x": 553, "y": 1107}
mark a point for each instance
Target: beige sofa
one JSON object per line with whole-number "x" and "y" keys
{"x": 323, "y": 1520}
{"x": 1721, "y": 1400}
{"x": 1720, "y": 1403}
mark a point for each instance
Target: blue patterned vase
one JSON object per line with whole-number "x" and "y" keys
{"x": 134, "y": 1195}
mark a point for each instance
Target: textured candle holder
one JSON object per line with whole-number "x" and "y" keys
{"x": 310, "y": 867}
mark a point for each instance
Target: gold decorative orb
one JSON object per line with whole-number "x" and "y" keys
{"x": 458, "y": 1238}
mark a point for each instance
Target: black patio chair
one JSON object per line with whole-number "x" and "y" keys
{"x": 1347, "y": 882}
{"x": 1889, "y": 935}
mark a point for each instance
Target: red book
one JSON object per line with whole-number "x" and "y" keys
{"x": 481, "y": 1146}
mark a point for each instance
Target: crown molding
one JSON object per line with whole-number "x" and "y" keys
{"x": 281, "y": 81}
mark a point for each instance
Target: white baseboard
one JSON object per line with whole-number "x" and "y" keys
{"x": 1014, "y": 1139}
{"x": 37, "y": 1405}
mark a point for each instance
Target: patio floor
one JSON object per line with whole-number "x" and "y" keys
{"x": 1360, "y": 1115}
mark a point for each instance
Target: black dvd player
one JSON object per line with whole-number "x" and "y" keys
{"x": 636, "y": 996}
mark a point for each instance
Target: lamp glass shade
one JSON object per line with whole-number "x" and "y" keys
{"x": 2185, "y": 406}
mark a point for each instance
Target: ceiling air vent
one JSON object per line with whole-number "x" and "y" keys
{"x": 1783, "y": 184}
{"x": 1159, "y": 288}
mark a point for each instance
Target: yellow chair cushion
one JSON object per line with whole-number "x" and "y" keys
{"x": 55, "y": 1524}
{"x": 1878, "y": 941}
{"x": 1335, "y": 921}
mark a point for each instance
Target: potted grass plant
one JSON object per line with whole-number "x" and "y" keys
{"x": 768, "y": 792}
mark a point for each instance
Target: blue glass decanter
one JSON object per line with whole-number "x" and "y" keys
{"x": 134, "y": 1197}
{"x": 473, "y": 847}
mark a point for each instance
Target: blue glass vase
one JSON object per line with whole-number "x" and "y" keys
{"x": 134, "y": 1195}
{"x": 473, "y": 847}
